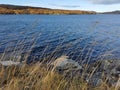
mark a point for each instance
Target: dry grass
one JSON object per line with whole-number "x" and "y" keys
{"x": 39, "y": 77}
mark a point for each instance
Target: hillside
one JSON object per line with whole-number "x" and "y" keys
{"x": 112, "y": 12}
{"x": 13, "y": 9}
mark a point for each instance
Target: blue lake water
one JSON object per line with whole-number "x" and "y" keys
{"x": 81, "y": 37}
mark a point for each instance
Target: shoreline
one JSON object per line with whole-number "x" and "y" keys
{"x": 93, "y": 75}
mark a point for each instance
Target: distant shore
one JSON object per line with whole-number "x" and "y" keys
{"x": 13, "y": 9}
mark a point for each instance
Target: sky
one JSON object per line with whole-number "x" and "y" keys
{"x": 91, "y": 5}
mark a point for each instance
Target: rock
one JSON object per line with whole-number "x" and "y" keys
{"x": 9, "y": 63}
{"x": 111, "y": 68}
{"x": 95, "y": 81}
{"x": 106, "y": 70}
{"x": 117, "y": 84}
{"x": 64, "y": 65}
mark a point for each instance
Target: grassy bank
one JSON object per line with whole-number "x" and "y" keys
{"x": 40, "y": 77}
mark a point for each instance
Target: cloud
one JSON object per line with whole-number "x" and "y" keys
{"x": 66, "y": 6}
{"x": 105, "y": 1}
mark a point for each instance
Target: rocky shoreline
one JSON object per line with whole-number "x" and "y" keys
{"x": 95, "y": 74}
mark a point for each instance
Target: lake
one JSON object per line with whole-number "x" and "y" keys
{"x": 81, "y": 37}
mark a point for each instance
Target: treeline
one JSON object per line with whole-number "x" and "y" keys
{"x": 11, "y": 9}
